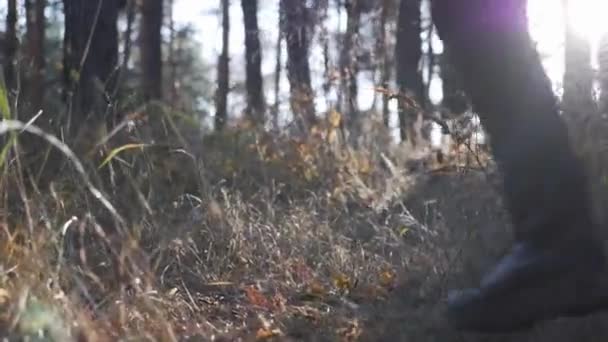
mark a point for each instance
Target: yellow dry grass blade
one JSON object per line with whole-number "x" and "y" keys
{"x": 120, "y": 149}
{"x": 5, "y": 111}
{"x": 5, "y": 108}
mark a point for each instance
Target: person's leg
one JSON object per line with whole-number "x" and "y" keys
{"x": 544, "y": 183}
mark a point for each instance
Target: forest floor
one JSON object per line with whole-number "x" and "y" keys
{"x": 283, "y": 244}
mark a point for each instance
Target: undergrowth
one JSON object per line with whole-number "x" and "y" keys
{"x": 245, "y": 235}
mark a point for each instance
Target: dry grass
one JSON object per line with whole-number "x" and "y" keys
{"x": 251, "y": 237}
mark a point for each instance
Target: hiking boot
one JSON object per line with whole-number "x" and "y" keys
{"x": 533, "y": 284}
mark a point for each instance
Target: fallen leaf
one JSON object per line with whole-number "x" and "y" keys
{"x": 342, "y": 282}
{"x": 257, "y": 298}
{"x": 317, "y": 288}
{"x": 352, "y": 332}
{"x": 387, "y": 278}
{"x": 314, "y": 291}
{"x": 279, "y": 302}
{"x": 266, "y": 333}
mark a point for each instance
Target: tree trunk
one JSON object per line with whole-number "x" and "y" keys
{"x": 409, "y": 76}
{"x": 324, "y": 40}
{"x": 256, "y": 103}
{"x": 384, "y": 58}
{"x": 296, "y": 33}
{"x": 349, "y": 67}
{"x": 603, "y": 74}
{"x": 430, "y": 65}
{"x": 151, "y": 55}
{"x": 90, "y": 56}
{"x": 131, "y": 7}
{"x": 171, "y": 56}
{"x": 454, "y": 100}
{"x": 117, "y": 93}
{"x": 11, "y": 44}
{"x": 278, "y": 67}
{"x": 35, "y": 23}
{"x": 223, "y": 71}
{"x": 545, "y": 186}
{"x": 578, "y": 77}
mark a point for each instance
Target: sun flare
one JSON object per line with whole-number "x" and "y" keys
{"x": 547, "y": 26}
{"x": 587, "y": 17}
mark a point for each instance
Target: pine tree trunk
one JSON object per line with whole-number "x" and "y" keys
{"x": 171, "y": 56}
{"x": 296, "y": 33}
{"x": 90, "y": 57}
{"x": 324, "y": 38}
{"x": 151, "y": 43}
{"x": 349, "y": 67}
{"x": 603, "y": 75}
{"x": 454, "y": 100}
{"x": 11, "y": 44}
{"x": 35, "y": 24}
{"x": 256, "y": 103}
{"x": 278, "y": 67}
{"x": 223, "y": 71}
{"x": 130, "y": 9}
{"x": 408, "y": 53}
{"x": 117, "y": 95}
{"x": 384, "y": 59}
{"x": 578, "y": 77}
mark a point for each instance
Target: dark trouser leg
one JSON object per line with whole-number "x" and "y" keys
{"x": 544, "y": 182}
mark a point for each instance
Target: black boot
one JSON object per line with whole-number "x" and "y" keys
{"x": 557, "y": 266}
{"x": 530, "y": 285}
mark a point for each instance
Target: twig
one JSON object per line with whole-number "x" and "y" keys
{"x": 412, "y": 103}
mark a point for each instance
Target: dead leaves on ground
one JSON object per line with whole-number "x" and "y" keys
{"x": 343, "y": 288}
{"x": 272, "y": 303}
{"x": 327, "y": 302}
{"x": 256, "y": 298}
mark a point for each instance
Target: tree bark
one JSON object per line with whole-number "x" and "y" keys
{"x": 130, "y": 9}
{"x": 296, "y": 33}
{"x": 578, "y": 77}
{"x": 223, "y": 71}
{"x": 278, "y": 67}
{"x": 151, "y": 43}
{"x": 35, "y": 24}
{"x": 545, "y": 186}
{"x": 603, "y": 74}
{"x": 384, "y": 58}
{"x": 409, "y": 76}
{"x": 10, "y": 49}
{"x": 454, "y": 100}
{"x": 171, "y": 56}
{"x": 324, "y": 40}
{"x": 256, "y": 103}
{"x": 349, "y": 67}
{"x": 90, "y": 56}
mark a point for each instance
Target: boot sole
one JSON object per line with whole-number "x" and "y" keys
{"x": 572, "y": 295}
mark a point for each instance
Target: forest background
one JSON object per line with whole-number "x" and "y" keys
{"x": 182, "y": 170}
